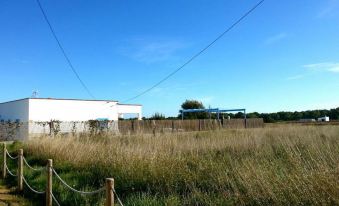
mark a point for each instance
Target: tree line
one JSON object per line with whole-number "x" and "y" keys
{"x": 333, "y": 114}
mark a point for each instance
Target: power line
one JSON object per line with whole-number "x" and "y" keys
{"x": 63, "y": 51}
{"x": 199, "y": 53}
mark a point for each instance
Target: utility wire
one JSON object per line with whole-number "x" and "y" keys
{"x": 199, "y": 53}
{"x": 63, "y": 51}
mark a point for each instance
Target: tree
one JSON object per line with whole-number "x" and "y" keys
{"x": 193, "y": 104}
{"x": 157, "y": 116}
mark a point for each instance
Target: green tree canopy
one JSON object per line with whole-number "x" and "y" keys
{"x": 193, "y": 104}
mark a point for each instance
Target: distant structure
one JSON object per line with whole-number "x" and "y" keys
{"x": 320, "y": 119}
{"x": 20, "y": 119}
{"x": 35, "y": 94}
{"x": 324, "y": 119}
{"x": 216, "y": 111}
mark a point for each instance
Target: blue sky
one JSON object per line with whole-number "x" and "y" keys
{"x": 283, "y": 57}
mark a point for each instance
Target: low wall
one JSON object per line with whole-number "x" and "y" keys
{"x": 60, "y": 128}
{"x": 27, "y": 130}
{"x": 151, "y": 126}
{"x": 13, "y": 131}
{"x": 24, "y": 131}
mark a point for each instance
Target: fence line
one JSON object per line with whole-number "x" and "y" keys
{"x": 75, "y": 190}
{"x": 155, "y": 126}
{"x": 30, "y": 167}
{"x": 55, "y": 200}
{"x": 116, "y": 194}
{"x": 109, "y": 188}
{"x": 9, "y": 155}
{"x": 31, "y": 188}
{"x": 9, "y": 172}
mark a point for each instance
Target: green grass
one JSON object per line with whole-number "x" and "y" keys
{"x": 288, "y": 165}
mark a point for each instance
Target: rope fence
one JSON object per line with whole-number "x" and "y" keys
{"x": 30, "y": 167}
{"x": 78, "y": 191}
{"x": 9, "y": 172}
{"x": 50, "y": 171}
{"x": 31, "y": 188}
{"x": 9, "y": 155}
{"x": 55, "y": 200}
{"x": 116, "y": 194}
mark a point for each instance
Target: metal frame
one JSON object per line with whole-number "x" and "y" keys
{"x": 214, "y": 110}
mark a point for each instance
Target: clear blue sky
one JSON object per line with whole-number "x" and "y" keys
{"x": 284, "y": 57}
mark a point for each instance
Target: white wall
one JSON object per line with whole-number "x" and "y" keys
{"x": 29, "y": 111}
{"x": 71, "y": 110}
{"x": 14, "y": 110}
{"x": 130, "y": 109}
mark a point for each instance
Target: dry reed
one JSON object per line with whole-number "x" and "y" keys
{"x": 268, "y": 166}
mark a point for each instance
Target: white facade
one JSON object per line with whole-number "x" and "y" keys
{"x": 32, "y": 114}
{"x": 46, "y": 109}
{"x": 14, "y": 110}
{"x": 324, "y": 119}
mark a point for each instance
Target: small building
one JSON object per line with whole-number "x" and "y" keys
{"x": 31, "y": 112}
{"x": 324, "y": 119}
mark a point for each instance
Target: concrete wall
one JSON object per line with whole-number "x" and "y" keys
{"x": 19, "y": 131}
{"x": 14, "y": 110}
{"x": 13, "y": 131}
{"x": 72, "y": 128}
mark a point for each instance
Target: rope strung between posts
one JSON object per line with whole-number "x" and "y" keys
{"x": 58, "y": 177}
{"x": 9, "y": 155}
{"x": 55, "y": 200}
{"x": 116, "y": 194}
{"x": 33, "y": 190}
{"x": 9, "y": 172}
{"x": 78, "y": 191}
{"x": 32, "y": 168}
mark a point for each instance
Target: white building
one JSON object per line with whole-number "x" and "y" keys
{"x": 64, "y": 110}
{"x": 324, "y": 119}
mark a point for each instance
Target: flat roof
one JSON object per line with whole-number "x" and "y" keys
{"x": 130, "y": 104}
{"x": 60, "y": 99}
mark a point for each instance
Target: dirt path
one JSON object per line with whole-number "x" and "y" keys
{"x": 9, "y": 198}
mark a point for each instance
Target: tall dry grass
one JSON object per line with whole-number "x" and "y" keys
{"x": 294, "y": 165}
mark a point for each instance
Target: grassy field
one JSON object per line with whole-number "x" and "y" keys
{"x": 284, "y": 165}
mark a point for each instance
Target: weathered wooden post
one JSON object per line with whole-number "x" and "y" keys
{"x": 4, "y": 161}
{"x": 245, "y": 118}
{"x": 172, "y": 126}
{"x": 20, "y": 170}
{"x": 49, "y": 199}
{"x": 109, "y": 192}
{"x": 199, "y": 125}
{"x": 133, "y": 126}
{"x": 154, "y": 127}
{"x": 137, "y": 126}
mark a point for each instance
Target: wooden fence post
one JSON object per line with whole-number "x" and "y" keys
{"x": 199, "y": 125}
{"x": 4, "y": 161}
{"x": 154, "y": 127}
{"x": 172, "y": 126}
{"x": 109, "y": 192}
{"x": 49, "y": 199}
{"x": 137, "y": 126}
{"x": 132, "y": 126}
{"x": 20, "y": 170}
